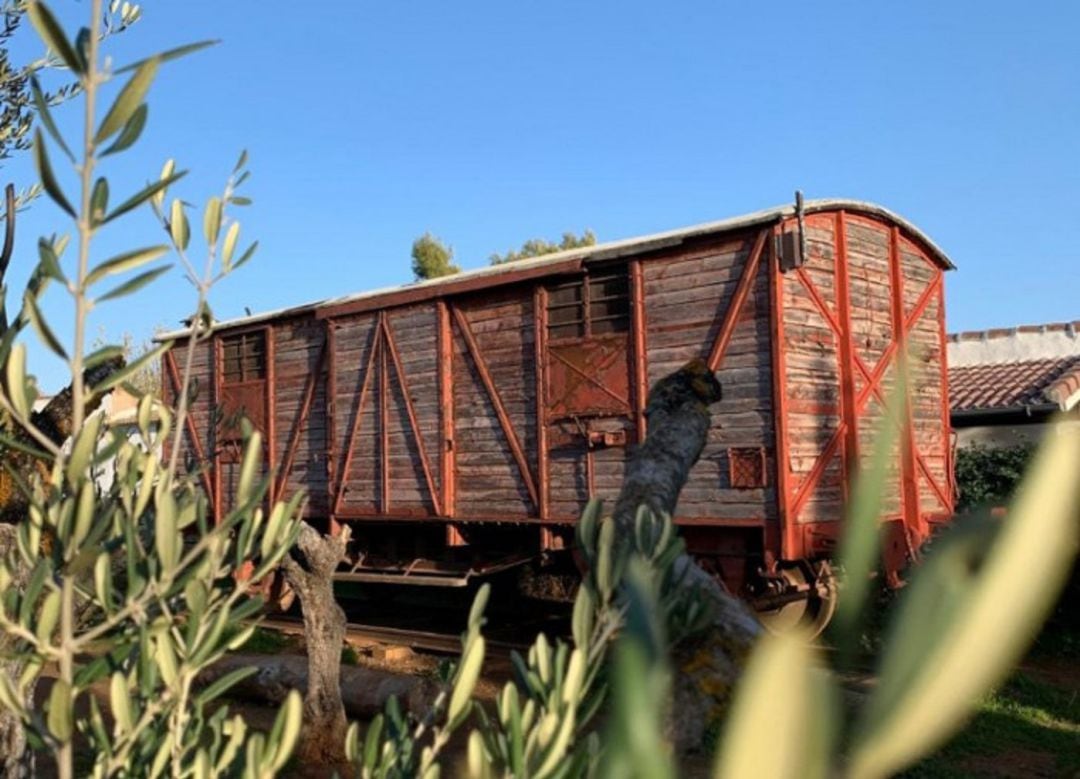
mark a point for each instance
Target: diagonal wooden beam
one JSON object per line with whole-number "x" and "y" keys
{"x": 818, "y": 300}
{"x": 388, "y": 339}
{"x": 301, "y": 419}
{"x": 189, "y": 423}
{"x": 361, "y": 400}
{"x": 738, "y": 300}
{"x": 930, "y": 478}
{"x": 496, "y": 401}
{"x": 806, "y": 488}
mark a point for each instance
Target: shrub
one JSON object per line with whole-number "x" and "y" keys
{"x": 988, "y": 475}
{"x": 131, "y": 582}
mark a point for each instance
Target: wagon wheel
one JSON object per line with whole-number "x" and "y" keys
{"x": 811, "y": 613}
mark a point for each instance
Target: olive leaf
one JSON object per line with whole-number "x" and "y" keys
{"x": 50, "y": 31}
{"x": 132, "y": 130}
{"x": 48, "y": 178}
{"x": 128, "y": 101}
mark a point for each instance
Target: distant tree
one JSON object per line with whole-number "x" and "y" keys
{"x": 21, "y": 97}
{"x": 431, "y": 258}
{"x": 538, "y": 247}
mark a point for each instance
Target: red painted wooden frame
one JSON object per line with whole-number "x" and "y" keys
{"x": 217, "y": 370}
{"x": 793, "y": 498}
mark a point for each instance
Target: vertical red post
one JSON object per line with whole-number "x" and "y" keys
{"x": 790, "y": 548}
{"x": 446, "y": 408}
{"x": 216, "y": 367}
{"x": 946, "y": 418}
{"x": 641, "y": 359}
{"x": 331, "y": 424}
{"x": 912, "y": 513}
{"x": 540, "y": 382}
{"x": 850, "y": 410}
{"x": 271, "y": 408}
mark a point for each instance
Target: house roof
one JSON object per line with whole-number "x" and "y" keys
{"x": 1031, "y": 367}
{"x": 1011, "y": 386}
{"x": 551, "y": 263}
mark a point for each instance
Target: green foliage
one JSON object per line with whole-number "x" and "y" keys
{"x": 988, "y": 475}
{"x": 1024, "y": 716}
{"x": 971, "y": 611}
{"x": 21, "y": 96}
{"x": 266, "y": 641}
{"x": 950, "y": 642}
{"x": 130, "y": 583}
{"x": 537, "y": 247}
{"x": 349, "y": 656}
{"x": 432, "y": 259}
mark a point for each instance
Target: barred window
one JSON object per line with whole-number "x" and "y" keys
{"x": 594, "y": 305}
{"x": 244, "y": 357}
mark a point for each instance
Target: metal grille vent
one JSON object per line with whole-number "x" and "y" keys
{"x": 746, "y": 467}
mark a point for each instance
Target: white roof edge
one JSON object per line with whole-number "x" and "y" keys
{"x": 600, "y": 251}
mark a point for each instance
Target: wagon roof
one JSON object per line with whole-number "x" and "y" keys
{"x": 554, "y": 263}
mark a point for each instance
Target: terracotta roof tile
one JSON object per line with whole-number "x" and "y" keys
{"x": 1014, "y": 384}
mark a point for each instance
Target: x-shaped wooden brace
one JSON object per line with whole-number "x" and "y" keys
{"x": 872, "y": 387}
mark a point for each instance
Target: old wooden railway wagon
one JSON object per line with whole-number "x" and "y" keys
{"x": 462, "y": 423}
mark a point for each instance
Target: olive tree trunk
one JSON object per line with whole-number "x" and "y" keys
{"x": 309, "y": 570}
{"x": 707, "y": 666}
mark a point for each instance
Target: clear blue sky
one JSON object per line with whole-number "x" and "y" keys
{"x": 490, "y": 123}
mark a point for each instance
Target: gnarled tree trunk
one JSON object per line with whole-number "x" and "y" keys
{"x": 309, "y": 570}
{"x": 709, "y": 665}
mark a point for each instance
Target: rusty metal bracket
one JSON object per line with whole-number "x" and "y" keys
{"x": 606, "y": 438}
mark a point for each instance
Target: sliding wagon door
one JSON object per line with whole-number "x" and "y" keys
{"x": 587, "y": 401}
{"x": 242, "y": 394}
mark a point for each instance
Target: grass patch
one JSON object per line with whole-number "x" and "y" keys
{"x": 265, "y": 641}
{"x": 1023, "y": 721}
{"x": 349, "y": 656}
